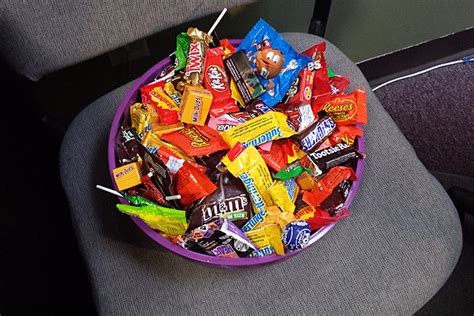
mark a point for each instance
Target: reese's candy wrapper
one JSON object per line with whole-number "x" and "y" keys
{"x": 220, "y": 238}
{"x": 334, "y": 156}
{"x": 262, "y": 129}
{"x": 230, "y": 201}
{"x": 267, "y": 237}
{"x": 141, "y": 119}
{"x": 349, "y": 109}
{"x": 325, "y": 186}
{"x": 216, "y": 81}
{"x": 275, "y": 61}
{"x": 347, "y": 134}
{"x": 199, "y": 41}
{"x": 196, "y": 141}
{"x": 314, "y": 135}
{"x": 317, "y": 217}
{"x": 250, "y": 167}
{"x": 170, "y": 221}
{"x": 321, "y": 86}
{"x": 284, "y": 193}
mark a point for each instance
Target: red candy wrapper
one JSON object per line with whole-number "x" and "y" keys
{"x": 282, "y": 153}
{"x": 191, "y": 181}
{"x": 347, "y": 133}
{"x": 321, "y": 87}
{"x": 301, "y": 89}
{"x": 317, "y": 217}
{"x": 347, "y": 110}
{"x": 196, "y": 140}
{"x": 324, "y": 187}
{"x": 216, "y": 81}
{"x": 229, "y": 49}
{"x": 339, "y": 85}
{"x": 163, "y": 109}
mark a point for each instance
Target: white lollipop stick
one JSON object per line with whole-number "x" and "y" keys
{"x": 108, "y": 190}
{"x": 173, "y": 197}
{"x": 219, "y": 18}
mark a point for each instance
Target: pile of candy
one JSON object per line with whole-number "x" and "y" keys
{"x": 241, "y": 151}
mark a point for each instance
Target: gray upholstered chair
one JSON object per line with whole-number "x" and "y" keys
{"x": 391, "y": 256}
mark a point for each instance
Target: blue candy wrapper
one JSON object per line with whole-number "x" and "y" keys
{"x": 276, "y": 62}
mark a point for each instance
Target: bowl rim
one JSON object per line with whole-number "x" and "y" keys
{"x": 121, "y": 113}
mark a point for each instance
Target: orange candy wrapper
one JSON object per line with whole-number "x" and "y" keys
{"x": 324, "y": 187}
{"x": 196, "y": 141}
{"x": 346, "y": 110}
{"x": 347, "y": 134}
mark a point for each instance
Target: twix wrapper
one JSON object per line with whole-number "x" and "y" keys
{"x": 199, "y": 41}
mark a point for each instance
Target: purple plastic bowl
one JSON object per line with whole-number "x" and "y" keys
{"x": 123, "y": 113}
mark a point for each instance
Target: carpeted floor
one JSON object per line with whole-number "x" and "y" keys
{"x": 435, "y": 112}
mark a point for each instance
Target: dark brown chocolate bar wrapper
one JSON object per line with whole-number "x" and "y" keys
{"x": 315, "y": 134}
{"x": 229, "y": 200}
{"x": 336, "y": 155}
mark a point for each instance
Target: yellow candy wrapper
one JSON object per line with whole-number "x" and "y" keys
{"x": 268, "y": 236}
{"x": 141, "y": 119}
{"x": 250, "y": 167}
{"x": 262, "y": 129}
{"x": 272, "y": 215}
{"x": 284, "y": 194}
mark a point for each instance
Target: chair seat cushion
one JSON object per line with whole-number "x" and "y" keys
{"x": 391, "y": 256}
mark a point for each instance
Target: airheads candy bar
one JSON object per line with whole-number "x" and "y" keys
{"x": 216, "y": 81}
{"x": 196, "y": 140}
{"x": 250, "y": 167}
{"x": 262, "y": 129}
{"x": 315, "y": 134}
{"x": 347, "y": 110}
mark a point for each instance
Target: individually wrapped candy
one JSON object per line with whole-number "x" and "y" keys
{"x": 262, "y": 129}
{"x": 347, "y": 134}
{"x": 347, "y": 110}
{"x": 170, "y": 221}
{"x": 141, "y": 119}
{"x": 126, "y": 145}
{"x": 230, "y": 201}
{"x": 196, "y": 140}
{"x": 282, "y": 153}
{"x": 220, "y": 238}
{"x": 314, "y": 135}
{"x": 216, "y": 81}
{"x": 267, "y": 239}
{"x": 182, "y": 49}
{"x": 276, "y": 62}
{"x": 301, "y": 116}
{"x": 199, "y": 41}
{"x": 325, "y": 186}
{"x": 334, "y": 156}
{"x": 284, "y": 193}
{"x": 271, "y": 215}
{"x": 321, "y": 87}
{"x": 252, "y": 170}
{"x": 317, "y": 217}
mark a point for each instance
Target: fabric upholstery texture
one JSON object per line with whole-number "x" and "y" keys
{"x": 39, "y": 37}
{"x": 391, "y": 256}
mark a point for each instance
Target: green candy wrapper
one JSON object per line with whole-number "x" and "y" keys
{"x": 331, "y": 73}
{"x": 170, "y": 221}
{"x": 138, "y": 200}
{"x": 291, "y": 171}
{"x": 181, "y": 53}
